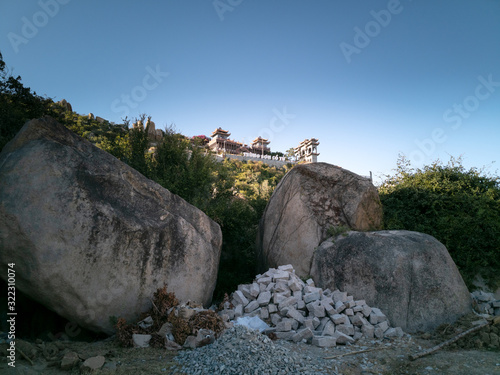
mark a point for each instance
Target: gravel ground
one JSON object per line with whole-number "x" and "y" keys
{"x": 241, "y": 351}
{"x": 247, "y": 352}
{"x": 251, "y": 353}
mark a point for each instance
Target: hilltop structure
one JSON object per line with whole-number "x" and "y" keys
{"x": 259, "y": 145}
{"x": 307, "y": 151}
{"x": 220, "y": 142}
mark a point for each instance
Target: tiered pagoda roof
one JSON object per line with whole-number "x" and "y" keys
{"x": 260, "y": 140}
{"x": 221, "y": 132}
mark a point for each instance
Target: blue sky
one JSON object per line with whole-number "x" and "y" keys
{"x": 369, "y": 79}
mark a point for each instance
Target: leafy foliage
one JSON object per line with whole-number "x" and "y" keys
{"x": 460, "y": 207}
{"x": 17, "y": 104}
{"x": 335, "y": 231}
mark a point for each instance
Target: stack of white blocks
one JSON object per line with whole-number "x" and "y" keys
{"x": 298, "y": 311}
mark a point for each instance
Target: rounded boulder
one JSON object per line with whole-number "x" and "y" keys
{"x": 308, "y": 201}
{"x": 410, "y": 276}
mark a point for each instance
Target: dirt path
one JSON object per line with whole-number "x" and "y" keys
{"x": 390, "y": 357}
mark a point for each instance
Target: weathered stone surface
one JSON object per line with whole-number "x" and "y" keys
{"x": 264, "y": 313}
{"x": 284, "y": 326}
{"x": 245, "y": 291}
{"x": 339, "y": 319}
{"x": 93, "y": 238}
{"x": 141, "y": 341}
{"x": 383, "y": 326}
{"x": 251, "y": 306}
{"x": 295, "y": 285}
{"x": 329, "y": 329}
{"x": 294, "y": 314}
{"x": 329, "y": 309}
{"x": 316, "y": 309}
{"x": 238, "y": 311}
{"x": 265, "y": 280}
{"x": 342, "y": 338}
{"x": 377, "y": 316}
{"x": 306, "y": 203}
{"x": 358, "y": 320}
{"x": 310, "y": 297}
{"x": 240, "y": 298}
{"x": 339, "y": 306}
{"x": 280, "y": 275}
{"x": 264, "y": 298}
{"x": 394, "y": 332}
{"x": 286, "y": 267}
{"x": 324, "y": 341}
{"x": 69, "y": 361}
{"x": 290, "y": 301}
{"x": 368, "y": 330}
{"x": 93, "y": 363}
{"x": 409, "y": 275}
{"x": 254, "y": 290}
{"x": 345, "y": 329}
{"x": 302, "y": 334}
{"x": 339, "y": 297}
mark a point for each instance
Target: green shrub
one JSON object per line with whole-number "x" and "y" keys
{"x": 460, "y": 207}
{"x": 18, "y": 104}
{"x": 338, "y": 230}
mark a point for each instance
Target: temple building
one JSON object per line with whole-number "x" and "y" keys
{"x": 220, "y": 142}
{"x": 259, "y": 146}
{"x": 307, "y": 151}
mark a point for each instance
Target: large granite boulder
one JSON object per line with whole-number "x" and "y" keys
{"x": 92, "y": 238}
{"x": 307, "y": 202}
{"x": 410, "y": 276}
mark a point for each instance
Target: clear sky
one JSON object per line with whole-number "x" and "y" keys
{"x": 369, "y": 79}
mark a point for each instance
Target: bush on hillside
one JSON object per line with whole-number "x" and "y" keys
{"x": 460, "y": 207}
{"x": 18, "y": 104}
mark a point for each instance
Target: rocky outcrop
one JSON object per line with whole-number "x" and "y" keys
{"x": 92, "y": 238}
{"x": 307, "y": 202}
{"x": 66, "y": 105}
{"x": 408, "y": 275}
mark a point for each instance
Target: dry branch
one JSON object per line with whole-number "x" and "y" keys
{"x": 24, "y": 355}
{"x": 447, "y": 342}
{"x": 356, "y": 352}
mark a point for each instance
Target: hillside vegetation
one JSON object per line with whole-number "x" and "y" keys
{"x": 233, "y": 193}
{"x": 460, "y": 207}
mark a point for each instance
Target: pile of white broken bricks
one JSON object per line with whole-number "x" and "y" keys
{"x": 298, "y": 311}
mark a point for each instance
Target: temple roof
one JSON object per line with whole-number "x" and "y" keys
{"x": 221, "y": 132}
{"x": 260, "y": 140}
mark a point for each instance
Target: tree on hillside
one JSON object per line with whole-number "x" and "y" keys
{"x": 18, "y": 104}
{"x": 290, "y": 153}
{"x": 460, "y": 207}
